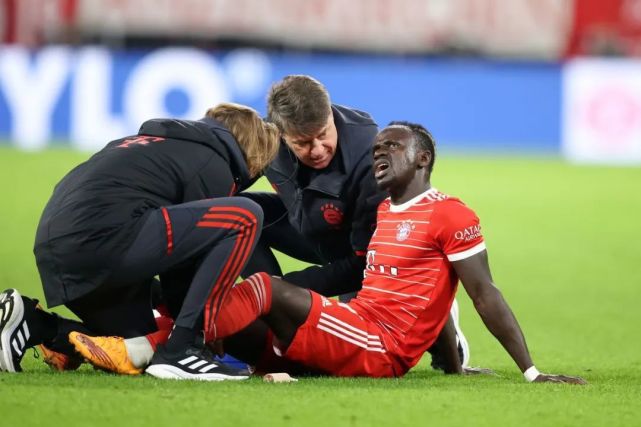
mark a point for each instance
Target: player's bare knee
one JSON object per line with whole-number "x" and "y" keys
{"x": 290, "y": 298}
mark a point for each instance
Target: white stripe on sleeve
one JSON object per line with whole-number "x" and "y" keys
{"x": 467, "y": 253}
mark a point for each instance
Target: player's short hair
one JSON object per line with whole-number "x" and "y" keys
{"x": 258, "y": 140}
{"x": 298, "y": 105}
{"x": 422, "y": 136}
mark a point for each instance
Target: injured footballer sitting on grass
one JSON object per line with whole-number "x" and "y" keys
{"x": 425, "y": 242}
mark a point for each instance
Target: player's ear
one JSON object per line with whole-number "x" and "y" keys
{"x": 424, "y": 158}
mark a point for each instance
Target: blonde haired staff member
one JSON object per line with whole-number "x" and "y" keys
{"x": 156, "y": 203}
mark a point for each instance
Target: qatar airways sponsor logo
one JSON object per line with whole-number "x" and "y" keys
{"x": 470, "y": 233}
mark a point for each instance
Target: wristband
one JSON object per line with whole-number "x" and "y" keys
{"x": 531, "y": 373}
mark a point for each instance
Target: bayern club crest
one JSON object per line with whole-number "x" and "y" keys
{"x": 403, "y": 230}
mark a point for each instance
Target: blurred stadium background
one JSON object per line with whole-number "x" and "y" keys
{"x": 547, "y": 76}
{"x": 536, "y": 108}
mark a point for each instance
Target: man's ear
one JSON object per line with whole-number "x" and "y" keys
{"x": 424, "y": 158}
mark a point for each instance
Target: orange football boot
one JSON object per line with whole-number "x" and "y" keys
{"x": 106, "y": 353}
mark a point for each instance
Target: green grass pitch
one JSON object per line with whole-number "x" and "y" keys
{"x": 565, "y": 248}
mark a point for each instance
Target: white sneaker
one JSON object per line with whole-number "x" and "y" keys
{"x": 14, "y": 331}
{"x": 193, "y": 364}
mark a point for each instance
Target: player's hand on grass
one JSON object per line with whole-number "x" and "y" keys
{"x": 469, "y": 370}
{"x": 551, "y": 378}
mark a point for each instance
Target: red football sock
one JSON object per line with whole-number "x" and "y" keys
{"x": 164, "y": 324}
{"x": 158, "y": 337}
{"x": 245, "y": 302}
{"x": 163, "y": 310}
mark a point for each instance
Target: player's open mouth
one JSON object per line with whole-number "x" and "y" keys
{"x": 380, "y": 168}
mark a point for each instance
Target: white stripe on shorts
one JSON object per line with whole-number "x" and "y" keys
{"x": 349, "y": 333}
{"x": 349, "y": 340}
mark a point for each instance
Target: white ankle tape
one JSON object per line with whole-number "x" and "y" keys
{"x": 531, "y": 373}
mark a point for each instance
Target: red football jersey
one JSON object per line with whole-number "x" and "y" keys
{"x": 409, "y": 280}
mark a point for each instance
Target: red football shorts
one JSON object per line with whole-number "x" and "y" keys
{"x": 337, "y": 341}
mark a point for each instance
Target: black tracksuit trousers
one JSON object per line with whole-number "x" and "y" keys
{"x": 198, "y": 250}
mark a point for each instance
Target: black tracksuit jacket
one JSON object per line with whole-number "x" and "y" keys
{"x": 335, "y": 208}
{"x": 97, "y": 209}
